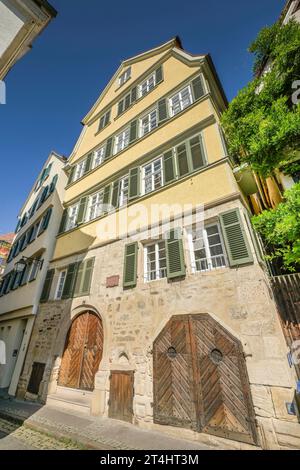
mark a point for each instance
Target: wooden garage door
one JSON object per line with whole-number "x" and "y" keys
{"x": 121, "y": 395}
{"x": 200, "y": 379}
{"x": 83, "y": 352}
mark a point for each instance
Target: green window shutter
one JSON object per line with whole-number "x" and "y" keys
{"x": 198, "y": 88}
{"x": 127, "y": 101}
{"x": 46, "y": 219}
{"x": 63, "y": 222}
{"x": 71, "y": 176}
{"x": 133, "y": 95}
{"x": 175, "y": 254}
{"x": 47, "y": 286}
{"x": 82, "y": 210}
{"x": 84, "y": 278}
{"x": 133, "y": 131}
{"x": 88, "y": 163}
{"x": 107, "y": 118}
{"x": 115, "y": 194}
{"x": 120, "y": 107}
{"x": 134, "y": 183}
{"x": 169, "y": 167}
{"x": 43, "y": 196}
{"x": 101, "y": 124}
{"x": 53, "y": 184}
{"x": 197, "y": 152}
{"x": 77, "y": 284}
{"x": 108, "y": 150}
{"x": 106, "y": 195}
{"x": 70, "y": 281}
{"x": 162, "y": 111}
{"x": 159, "y": 74}
{"x": 130, "y": 265}
{"x": 238, "y": 249}
{"x": 182, "y": 160}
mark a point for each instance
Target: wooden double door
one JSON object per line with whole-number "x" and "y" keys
{"x": 83, "y": 352}
{"x": 201, "y": 381}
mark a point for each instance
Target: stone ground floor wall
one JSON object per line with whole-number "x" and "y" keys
{"x": 238, "y": 299}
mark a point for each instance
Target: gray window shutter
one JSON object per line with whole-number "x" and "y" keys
{"x": 133, "y": 95}
{"x": 79, "y": 275}
{"x": 198, "y": 88}
{"x": 134, "y": 183}
{"x": 130, "y": 265}
{"x": 182, "y": 160}
{"x": 71, "y": 176}
{"x": 238, "y": 249}
{"x": 70, "y": 281}
{"x": 107, "y": 118}
{"x": 127, "y": 102}
{"x": 106, "y": 195}
{"x": 120, "y": 107}
{"x": 63, "y": 222}
{"x": 25, "y": 275}
{"x": 175, "y": 254}
{"x": 115, "y": 194}
{"x": 82, "y": 210}
{"x": 162, "y": 111}
{"x": 133, "y": 131}
{"x": 108, "y": 150}
{"x": 47, "y": 286}
{"x": 169, "y": 167}
{"x": 197, "y": 152}
{"x": 88, "y": 162}
{"x": 101, "y": 124}
{"x": 87, "y": 276}
{"x": 159, "y": 74}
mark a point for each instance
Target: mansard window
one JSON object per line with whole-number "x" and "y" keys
{"x": 147, "y": 85}
{"x": 125, "y": 76}
{"x": 123, "y": 195}
{"x": 148, "y": 123}
{"x": 72, "y": 216}
{"x": 207, "y": 248}
{"x": 155, "y": 261}
{"x": 79, "y": 170}
{"x": 104, "y": 120}
{"x": 99, "y": 156}
{"x": 152, "y": 176}
{"x": 95, "y": 207}
{"x": 122, "y": 140}
{"x": 60, "y": 285}
{"x": 180, "y": 100}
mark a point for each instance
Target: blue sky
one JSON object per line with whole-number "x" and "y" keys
{"x": 52, "y": 88}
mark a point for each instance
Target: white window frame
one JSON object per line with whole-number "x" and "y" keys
{"x": 98, "y": 204}
{"x": 149, "y": 118}
{"x": 60, "y": 285}
{"x": 159, "y": 273}
{"x": 122, "y": 140}
{"x": 207, "y": 248}
{"x": 80, "y": 167}
{"x": 147, "y": 84}
{"x": 125, "y": 76}
{"x": 180, "y": 98}
{"x": 153, "y": 173}
{"x": 122, "y": 199}
{"x": 96, "y": 155}
{"x": 74, "y": 211}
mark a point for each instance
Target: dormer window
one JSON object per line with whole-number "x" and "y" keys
{"x": 125, "y": 76}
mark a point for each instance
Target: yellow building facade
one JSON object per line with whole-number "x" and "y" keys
{"x": 156, "y": 308}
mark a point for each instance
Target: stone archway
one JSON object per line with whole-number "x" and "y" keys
{"x": 82, "y": 353}
{"x": 200, "y": 379}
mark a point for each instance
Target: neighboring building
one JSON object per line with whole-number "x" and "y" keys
{"x": 21, "y": 21}
{"x": 171, "y": 328}
{"x": 5, "y": 245}
{"x": 27, "y": 266}
{"x": 291, "y": 11}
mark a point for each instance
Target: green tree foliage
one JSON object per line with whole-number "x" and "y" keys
{"x": 262, "y": 124}
{"x": 280, "y": 228}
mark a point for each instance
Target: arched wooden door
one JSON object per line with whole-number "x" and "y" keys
{"x": 83, "y": 352}
{"x": 201, "y": 381}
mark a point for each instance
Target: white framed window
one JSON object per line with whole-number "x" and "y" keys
{"x": 207, "y": 248}
{"x": 123, "y": 194}
{"x": 95, "y": 205}
{"x": 72, "y": 217}
{"x": 79, "y": 170}
{"x": 155, "y": 261}
{"x": 125, "y": 76}
{"x": 99, "y": 155}
{"x": 60, "y": 285}
{"x": 152, "y": 176}
{"x": 148, "y": 122}
{"x": 122, "y": 140}
{"x": 147, "y": 85}
{"x": 180, "y": 100}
